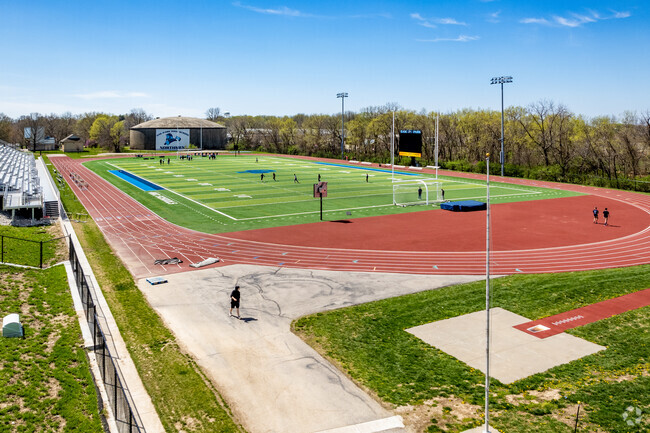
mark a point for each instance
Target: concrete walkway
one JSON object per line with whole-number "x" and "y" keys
{"x": 272, "y": 381}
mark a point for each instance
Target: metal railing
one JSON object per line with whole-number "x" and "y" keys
{"x": 125, "y": 416}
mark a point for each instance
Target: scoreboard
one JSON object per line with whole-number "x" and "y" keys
{"x": 410, "y": 143}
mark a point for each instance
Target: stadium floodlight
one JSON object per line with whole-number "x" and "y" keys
{"x": 501, "y": 80}
{"x": 342, "y": 95}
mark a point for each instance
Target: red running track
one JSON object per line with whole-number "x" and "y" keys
{"x": 554, "y": 235}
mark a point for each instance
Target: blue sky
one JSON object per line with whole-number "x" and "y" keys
{"x": 282, "y": 57}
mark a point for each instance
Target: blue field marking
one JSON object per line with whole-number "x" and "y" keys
{"x": 435, "y": 266}
{"x": 284, "y": 254}
{"x": 382, "y": 170}
{"x": 280, "y": 264}
{"x": 355, "y": 261}
{"x": 256, "y": 257}
{"x": 518, "y": 270}
{"x": 257, "y": 171}
{"x": 137, "y": 181}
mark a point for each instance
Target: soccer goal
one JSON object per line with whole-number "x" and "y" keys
{"x": 416, "y": 192}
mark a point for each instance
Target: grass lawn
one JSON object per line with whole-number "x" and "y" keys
{"x": 369, "y": 343}
{"x": 45, "y": 380}
{"x": 22, "y": 245}
{"x": 228, "y": 194}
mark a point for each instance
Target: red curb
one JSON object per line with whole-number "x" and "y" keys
{"x": 588, "y": 314}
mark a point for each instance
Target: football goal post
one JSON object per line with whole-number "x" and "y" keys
{"x": 416, "y": 192}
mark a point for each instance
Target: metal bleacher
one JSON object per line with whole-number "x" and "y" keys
{"x": 20, "y": 186}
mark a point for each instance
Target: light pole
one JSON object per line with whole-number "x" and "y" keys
{"x": 501, "y": 80}
{"x": 342, "y": 95}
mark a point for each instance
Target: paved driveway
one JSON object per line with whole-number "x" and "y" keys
{"x": 273, "y": 381}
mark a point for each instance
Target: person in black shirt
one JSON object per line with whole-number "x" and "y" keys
{"x": 235, "y": 295}
{"x": 595, "y": 212}
{"x": 606, "y": 215}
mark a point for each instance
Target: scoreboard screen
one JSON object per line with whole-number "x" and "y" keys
{"x": 410, "y": 142}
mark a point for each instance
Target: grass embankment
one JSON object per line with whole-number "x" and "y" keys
{"x": 22, "y": 245}
{"x": 45, "y": 380}
{"x": 369, "y": 343}
{"x": 183, "y": 397}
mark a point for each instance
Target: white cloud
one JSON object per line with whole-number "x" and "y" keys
{"x": 431, "y": 22}
{"x": 494, "y": 17}
{"x": 461, "y": 38}
{"x": 574, "y": 20}
{"x": 449, "y": 21}
{"x": 423, "y": 21}
{"x": 111, "y": 94}
{"x": 535, "y": 21}
{"x": 283, "y": 10}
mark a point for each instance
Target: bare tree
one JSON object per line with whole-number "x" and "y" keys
{"x": 34, "y": 127}
{"x": 59, "y": 127}
{"x": 135, "y": 117}
{"x": 213, "y": 114}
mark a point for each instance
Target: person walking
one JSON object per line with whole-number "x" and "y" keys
{"x": 595, "y": 212}
{"x": 606, "y": 216}
{"x": 419, "y": 193}
{"x": 295, "y": 178}
{"x": 274, "y": 176}
{"x": 262, "y": 177}
{"x": 235, "y": 296}
{"x": 366, "y": 177}
{"x": 442, "y": 191}
{"x": 319, "y": 177}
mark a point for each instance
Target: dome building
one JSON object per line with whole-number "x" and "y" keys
{"x": 177, "y": 133}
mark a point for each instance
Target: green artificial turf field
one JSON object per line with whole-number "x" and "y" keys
{"x": 227, "y": 194}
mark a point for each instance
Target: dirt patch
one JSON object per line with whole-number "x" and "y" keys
{"x": 534, "y": 397}
{"x": 567, "y": 416}
{"x": 53, "y": 388}
{"x": 439, "y": 411}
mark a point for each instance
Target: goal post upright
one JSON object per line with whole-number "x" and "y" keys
{"x": 416, "y": 192}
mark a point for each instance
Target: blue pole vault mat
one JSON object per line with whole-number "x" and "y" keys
{"x": 463, "y": 206}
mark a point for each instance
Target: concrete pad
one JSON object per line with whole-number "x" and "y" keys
{"x": 514, "y": 354}
{"x": 380, "y": 425}
{"x": 270, "y": 378}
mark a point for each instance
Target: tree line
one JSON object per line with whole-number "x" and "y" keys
{"x": 544, "y": 140}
